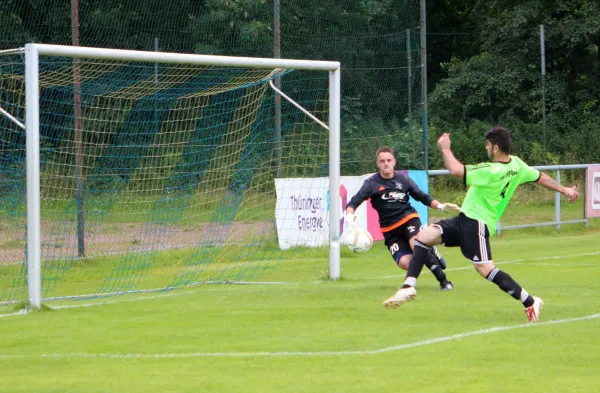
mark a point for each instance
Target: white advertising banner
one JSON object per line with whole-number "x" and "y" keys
{"x": 302, "y": 212}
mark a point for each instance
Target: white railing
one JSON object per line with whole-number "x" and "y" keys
{"x": 557, "y": 221}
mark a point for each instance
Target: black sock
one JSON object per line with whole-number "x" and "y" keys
{"x": 433, "y": 265}
{"x": 419, "y": 259}
{"x": 508, "y": 285}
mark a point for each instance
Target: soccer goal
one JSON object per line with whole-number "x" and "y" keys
{"x": 126, "y": 171}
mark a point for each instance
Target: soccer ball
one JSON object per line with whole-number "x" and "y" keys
{"x": 359, "y": 240}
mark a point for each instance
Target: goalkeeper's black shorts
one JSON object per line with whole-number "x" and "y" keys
{"x": 397, "y": 240}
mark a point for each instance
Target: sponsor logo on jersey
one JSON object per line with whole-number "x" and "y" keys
{"x": 507, "y": 174}
{"x": 393, "y": 196}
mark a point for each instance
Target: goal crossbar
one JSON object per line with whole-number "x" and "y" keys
{"x": 176, "y": 58}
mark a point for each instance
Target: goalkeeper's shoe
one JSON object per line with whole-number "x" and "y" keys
{"x": 533, "y": 312}
{"x": 446, "y": 286}
{"x": 402, "y": 296}
{"x": 440, "y": 258}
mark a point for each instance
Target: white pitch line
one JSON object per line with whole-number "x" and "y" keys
{"x": 563, "y": 264}
{"x": 500, "y": 263}
{"x": 298, "y": 353}
{"x": 118, "y": 301}
{"x": 20, "y": 312}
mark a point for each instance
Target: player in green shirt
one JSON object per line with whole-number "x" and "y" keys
{"x": 491, "y": 186}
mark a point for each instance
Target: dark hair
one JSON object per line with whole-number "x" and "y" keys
{"x": 384, "y": 149}
{"x": 500, "y": 137}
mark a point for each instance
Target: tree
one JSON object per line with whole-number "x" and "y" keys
{"x": 501, "y": 83}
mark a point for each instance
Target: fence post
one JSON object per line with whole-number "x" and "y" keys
{"x": 557, "y": 203}
{"x": 409, "y": 78}
{"x": 543, "y": 61}
{"x": 425, "y": 106}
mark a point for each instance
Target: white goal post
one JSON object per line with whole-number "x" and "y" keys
{"x": 33, "y": 52}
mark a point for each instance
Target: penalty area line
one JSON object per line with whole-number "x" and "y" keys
{"x": 280, "y": 354}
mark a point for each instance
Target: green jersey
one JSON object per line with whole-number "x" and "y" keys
{"x": 491, "y": 185}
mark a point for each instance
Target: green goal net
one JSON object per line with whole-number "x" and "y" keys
{"x": 155, "y": 176}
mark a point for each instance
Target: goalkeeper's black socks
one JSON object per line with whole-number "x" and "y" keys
{"x": 432, "y": 264}
{"x": 508, "y": 285}
{"x": 440, "y": 259}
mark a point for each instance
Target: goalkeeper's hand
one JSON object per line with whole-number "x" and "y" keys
{"x": 350, "y": 221}
{"x": 448, "y": 206}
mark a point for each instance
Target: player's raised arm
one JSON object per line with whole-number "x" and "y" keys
{"x": 450, "y": 162}
{"x": 551, "y": 184}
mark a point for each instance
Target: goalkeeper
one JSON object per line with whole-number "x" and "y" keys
{"x": 398, "y": 220}
{"x": 490, "y": 187}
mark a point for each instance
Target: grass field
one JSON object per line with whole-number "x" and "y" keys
{"x": 330, "y": 336}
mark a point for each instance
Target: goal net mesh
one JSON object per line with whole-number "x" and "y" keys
{"x": 156, "y": 176}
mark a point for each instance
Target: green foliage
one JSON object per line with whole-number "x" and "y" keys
{"x": 539, "y": 156}
{"x": 483, "y": 61}
{"x": 233, "y": 27}
{"x": 484, "y": 87}
{"x": 497, "y": 79}
{"x": 362, "y": 138}
{"x": 468, "y": 143}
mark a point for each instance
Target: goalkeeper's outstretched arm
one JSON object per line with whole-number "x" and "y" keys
{"x": 362, "y": 195}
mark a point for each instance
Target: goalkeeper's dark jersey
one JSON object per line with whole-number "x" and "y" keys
{"x": 390, "y": 198}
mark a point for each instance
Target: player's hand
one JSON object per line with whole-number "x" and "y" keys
{"x": 448, "y": 206}
{"x": 444, "y": 141}
{"x": 349, "y": 225}
{"x": 571, "y": 193}
{"x": 350, "y": 221}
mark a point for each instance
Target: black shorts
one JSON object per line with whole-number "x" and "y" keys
{"x": 397, "y": 239}
{"x": 472, "y": 236}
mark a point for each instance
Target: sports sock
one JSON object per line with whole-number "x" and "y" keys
{"x": 433, "y": 265}
{"x": 440, "y": 260}
{"x": 508, "y": 285}
{"x": 419, "y": 258}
